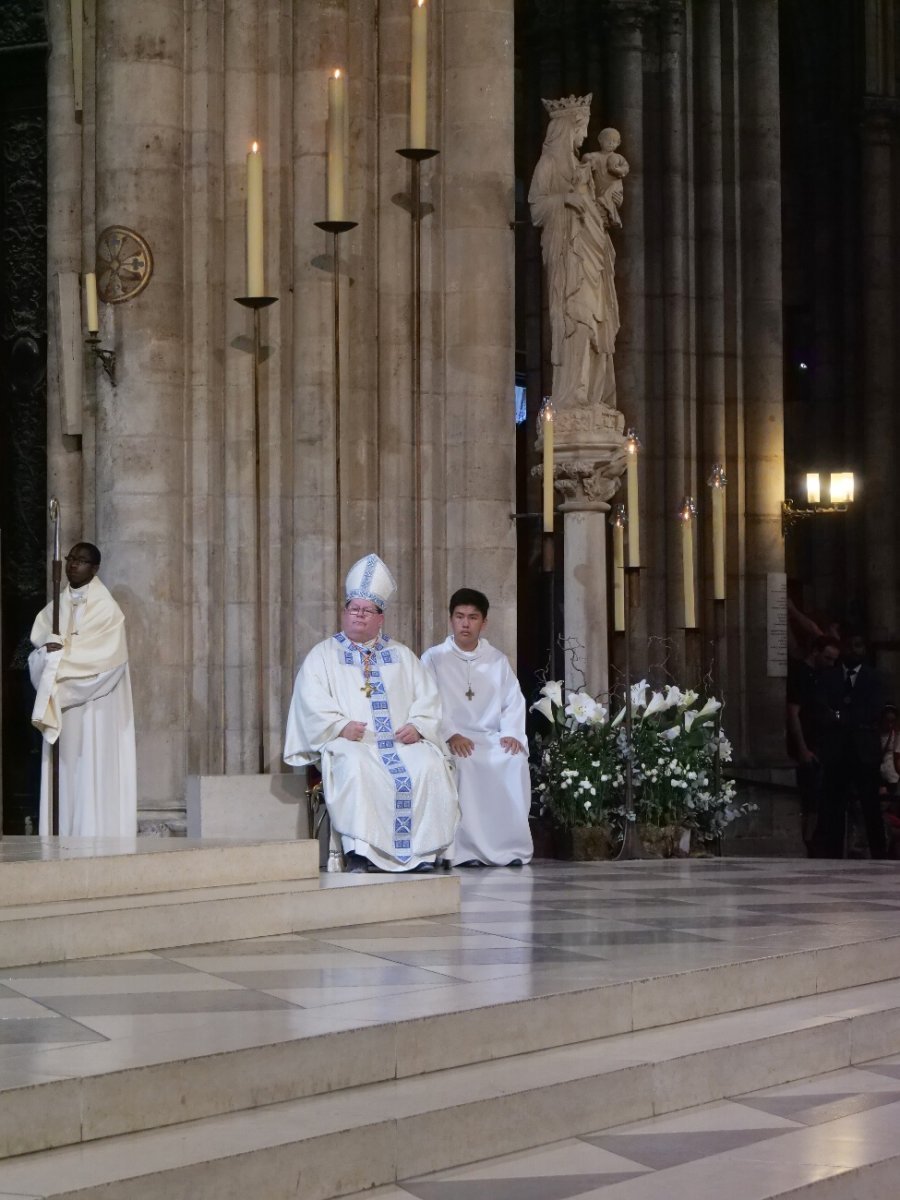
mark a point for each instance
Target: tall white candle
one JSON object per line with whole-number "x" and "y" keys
{"x": 718, "y": 537}
{"x": 634, "y": 519}
{"x": 687, "y": 561}
{"x": 547, "y": 420}
{"x": 418, "y": 78}
{"x": 255, "y": 271}
{"x": 90, "y": 297}
{"x": 337, "y": 146}
{"x": 619, "y": 574}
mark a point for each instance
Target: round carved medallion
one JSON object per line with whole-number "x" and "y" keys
{"x": 124, "y": 264}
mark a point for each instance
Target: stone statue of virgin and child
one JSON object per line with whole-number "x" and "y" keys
{"x": 575, "y": 201}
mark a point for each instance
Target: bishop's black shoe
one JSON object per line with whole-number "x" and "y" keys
{"x": 357, "y": 864}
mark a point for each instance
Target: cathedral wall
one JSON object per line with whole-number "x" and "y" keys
{"x": 161, "y": 473}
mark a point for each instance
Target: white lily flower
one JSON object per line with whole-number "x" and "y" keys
{"x": 581, "y": 707}
{"x": 709, "y": 709}
{"x": 544, "y": 707}
{"x": 657, "y": 704}
{"x": 670, "y": 734}
{"x": 553, "y": 689}
{"x": 598, "y": 716}
{"x": 639, "y": 694}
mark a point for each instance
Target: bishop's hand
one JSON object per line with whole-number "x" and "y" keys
{"x": 407, "y": 735}
{"x": 353, "y": 731}
{"x": 512, "y": 745}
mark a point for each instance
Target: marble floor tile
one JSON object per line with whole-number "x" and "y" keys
{"x": 323, "y": 956}
{"x": 327, "y": 997}
{"x": 44, "y": 1031}
{"x": 657, "y": 1150}
{"x": 375, "y": 971}
{"x": 20, "y": 1007}
{"x": 139, "y": 1003}
{"x": 127, "y": 985}
{"x": 125, "y": 964}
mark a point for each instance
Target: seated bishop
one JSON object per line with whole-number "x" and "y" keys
{"x": 368, "y": 712}
{"x": 484, "y": 724}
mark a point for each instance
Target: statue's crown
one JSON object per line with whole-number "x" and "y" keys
{"x": 568, "y": 102}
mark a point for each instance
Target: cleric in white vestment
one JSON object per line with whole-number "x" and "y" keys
{"x": 80, "y": 674}
{"x": 484, "y": 725}
{"x": 366, "y": 708}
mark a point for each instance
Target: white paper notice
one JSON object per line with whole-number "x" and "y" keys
{"x": 776, "y": 624}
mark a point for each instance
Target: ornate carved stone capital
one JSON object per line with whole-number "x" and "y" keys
{"x": 590, "y": 457}
{"x": 673, "y": 17}
{"x": 626, "y": 18}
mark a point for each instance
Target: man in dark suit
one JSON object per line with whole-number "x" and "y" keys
{"x": 851, "y": 756}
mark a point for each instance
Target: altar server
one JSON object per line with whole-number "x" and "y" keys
{"x": 84, "y": 702}
{"x": 484, "y": 725}
{"x": 366, "y": 708}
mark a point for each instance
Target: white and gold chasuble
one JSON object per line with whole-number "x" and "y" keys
{"x": 395, "y": 804}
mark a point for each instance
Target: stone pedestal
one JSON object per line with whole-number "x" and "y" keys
{"x": 587, "y": 469}
{"x": 585, "y": 605}
{"x": 251, "y": 807}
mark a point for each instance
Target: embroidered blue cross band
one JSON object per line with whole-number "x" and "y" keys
{"x": 380, "y": 653}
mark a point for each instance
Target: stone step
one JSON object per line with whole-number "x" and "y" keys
{"x": 77, "y": 1093}
{"x": 49, "y": 870}
{"x": 121, "y": 924}
{"x": 740, "y": 1154}
{"x": 376, "y": 1133}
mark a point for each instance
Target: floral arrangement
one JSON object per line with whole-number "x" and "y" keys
{"x": 675, "y": 742}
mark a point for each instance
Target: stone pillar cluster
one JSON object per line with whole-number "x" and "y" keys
{"x": 693, "y": 86}
{"x": 162, "y": 475}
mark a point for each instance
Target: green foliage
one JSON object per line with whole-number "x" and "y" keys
{"x": 676, "y": 750}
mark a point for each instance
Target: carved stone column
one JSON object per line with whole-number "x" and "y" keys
{"x": 760, "y": 184}
{"x": 590, "y": 460}
{"x": 625, "y": 23}
{"x": 878, "y": 224}
{"x": 64, "y": 255}
{"x": 477, "y": 467}
{"x": 140, "y": 477}
{"x": 672, "y": 438}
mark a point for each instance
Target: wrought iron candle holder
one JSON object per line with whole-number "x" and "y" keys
{"x": 257, "y": 304}
{"x": 107, "y": 358}
{"x": 416, "y": 156}
{"x": 335, "y": 229}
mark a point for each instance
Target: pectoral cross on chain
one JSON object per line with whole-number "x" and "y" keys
{"x": 367, "y": 688}
{"x": 470, "y": 695}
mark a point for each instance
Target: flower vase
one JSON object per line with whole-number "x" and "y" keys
{"x": 584, "y": 843}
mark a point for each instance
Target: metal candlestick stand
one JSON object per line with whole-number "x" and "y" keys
{"x": 257, "y": 303}
{"x": 57, "y": 580}
{"x": 718, "y": 643}
{"x": 336, "y": 228}
{"x": 417, "y": 156}
{"x": 631, "y": 842}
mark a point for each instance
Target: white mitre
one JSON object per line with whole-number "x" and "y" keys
{"x": 369, "y": 579}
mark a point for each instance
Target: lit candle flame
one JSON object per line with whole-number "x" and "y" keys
{"x": 337, "y": 72}
{"x": 254, "y": 149}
